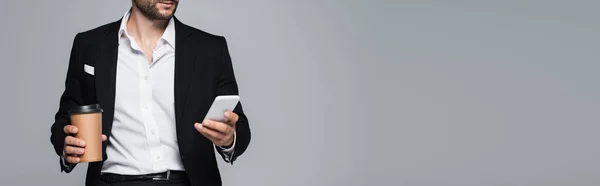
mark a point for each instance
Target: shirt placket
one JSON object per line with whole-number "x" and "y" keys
{"x": 150, "y": 125}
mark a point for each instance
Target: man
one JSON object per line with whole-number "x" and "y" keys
{"x": 155, "y": 78}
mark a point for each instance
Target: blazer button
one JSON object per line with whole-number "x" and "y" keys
{"x": 182, "y": 156}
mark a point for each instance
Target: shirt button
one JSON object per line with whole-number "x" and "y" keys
{"x": 145, "y": 77}
{"x": 157, "y": 157}
{"x": 152, "y": 132}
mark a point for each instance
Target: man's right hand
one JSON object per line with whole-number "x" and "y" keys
{"x": 74, "y": 147}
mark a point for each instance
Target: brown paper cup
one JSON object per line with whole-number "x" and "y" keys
{"x": 88, "y": 119}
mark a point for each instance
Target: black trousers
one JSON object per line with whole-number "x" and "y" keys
{"x": 145, "y": 183}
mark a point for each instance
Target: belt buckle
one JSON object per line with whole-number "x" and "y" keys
{"x": 163, "y": 179}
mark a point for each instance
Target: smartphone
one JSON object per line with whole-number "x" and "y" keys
{"x": 220, "y": 105}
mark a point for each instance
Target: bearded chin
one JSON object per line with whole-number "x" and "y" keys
{"x": 149, "y": 9}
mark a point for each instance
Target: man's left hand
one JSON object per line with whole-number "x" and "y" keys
{"x": 220, "y": 133}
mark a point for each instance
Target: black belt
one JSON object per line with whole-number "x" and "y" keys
{"x": 169, "y": 175}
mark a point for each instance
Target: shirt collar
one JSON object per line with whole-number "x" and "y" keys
{"x": 168, "y": 35}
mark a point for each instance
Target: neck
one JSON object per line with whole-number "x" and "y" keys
{"x": 145, "y": 29}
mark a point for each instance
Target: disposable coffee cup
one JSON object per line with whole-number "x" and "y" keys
{"x": 88, "y": 120}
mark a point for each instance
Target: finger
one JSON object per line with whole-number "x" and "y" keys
{"x": 74, "y": 150}
{"x": 104, "y": 137}
{"x": 217, "y": 126}
{"x": 70, "y": 140}
{"x": 232, "y": 117}
{"x": 211, "y": 134}
{"x": 70, "y": 129}
{"x": 73, "y": 159}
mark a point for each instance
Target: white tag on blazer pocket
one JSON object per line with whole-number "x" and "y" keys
{"x": 88, "y": 69}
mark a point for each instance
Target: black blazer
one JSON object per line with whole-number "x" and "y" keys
{"x": 203, "y": 70}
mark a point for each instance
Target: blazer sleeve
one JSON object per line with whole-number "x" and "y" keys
{"x": 227, "y": 85}
{"x": 70, "y": 97}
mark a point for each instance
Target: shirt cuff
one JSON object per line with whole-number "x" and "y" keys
{"x": 228, "y": 152}
{"x": 68, "y": 167}
{"x": 230, "y": 149}
{"x": 63, "y": 160}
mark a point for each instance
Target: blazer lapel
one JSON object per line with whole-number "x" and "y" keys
{"x": 106, "y": 66}
{"x": 184, "y": 67}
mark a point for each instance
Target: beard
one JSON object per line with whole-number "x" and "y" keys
{"x": 149, "y": 9}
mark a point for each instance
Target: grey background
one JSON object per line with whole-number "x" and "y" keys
{"x": 348, "y": 92}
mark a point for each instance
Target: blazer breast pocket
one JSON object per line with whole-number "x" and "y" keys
{"x": 88, "y": 82}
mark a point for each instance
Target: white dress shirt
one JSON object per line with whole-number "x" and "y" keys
{"x": 143, "y": 138}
